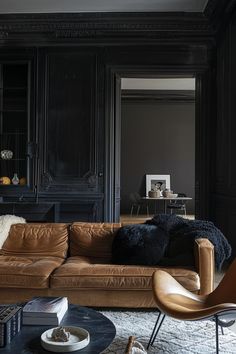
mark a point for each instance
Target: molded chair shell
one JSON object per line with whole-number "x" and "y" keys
{"x": 174, "y": 300}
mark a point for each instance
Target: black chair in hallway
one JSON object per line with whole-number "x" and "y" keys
{"x": 175, "y": 205}
{"x": 137, "y": 202}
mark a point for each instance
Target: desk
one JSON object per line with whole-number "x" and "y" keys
{"x": 165, "y": 199}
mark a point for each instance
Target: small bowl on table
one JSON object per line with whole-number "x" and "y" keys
{"x": 173, "y": 195}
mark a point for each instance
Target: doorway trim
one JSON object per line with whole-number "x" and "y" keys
{"x": 203, "y": 141}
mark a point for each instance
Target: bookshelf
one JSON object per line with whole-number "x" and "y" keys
{"x": 14, "y": 113}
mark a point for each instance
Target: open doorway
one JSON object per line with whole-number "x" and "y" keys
{"x": 157, "y": 138}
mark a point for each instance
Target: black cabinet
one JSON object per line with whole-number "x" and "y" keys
{"x": 49, "y": 133}
{"x": 32, "y": 212}
{"x": 70, "y": 164}
{"x": 14, "y": 126}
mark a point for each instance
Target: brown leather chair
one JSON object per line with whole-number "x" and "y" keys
{"x": 174, "y": 300}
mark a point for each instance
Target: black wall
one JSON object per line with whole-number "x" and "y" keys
{"x": 157, "y": 138}
{"x": 224, "y": 181}
{"x": 106, "y": 48}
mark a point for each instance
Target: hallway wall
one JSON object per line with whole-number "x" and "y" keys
{"x": 157, "y": 138}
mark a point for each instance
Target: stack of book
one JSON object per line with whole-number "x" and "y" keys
{"x": 10, "y": 323}
{"x": 45, "y": 311}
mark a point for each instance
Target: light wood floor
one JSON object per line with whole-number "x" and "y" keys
{"x": 143, "y": 217}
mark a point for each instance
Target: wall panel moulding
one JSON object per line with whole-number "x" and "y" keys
{"x": 100, "y": 27}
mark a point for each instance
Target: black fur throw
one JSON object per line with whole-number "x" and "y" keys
{"x": 139, "y": 245}
{"x": 167, "y": 240}
{"x": 183, "y": 232}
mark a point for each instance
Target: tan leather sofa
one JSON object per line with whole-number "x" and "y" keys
{"x": 75, "y": 261}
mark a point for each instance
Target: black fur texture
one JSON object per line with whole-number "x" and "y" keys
{"x": 183, "y": 232}
{"x": 139, "y": 245}
{"x": 167, "y": 240}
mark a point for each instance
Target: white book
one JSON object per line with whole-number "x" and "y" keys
{"x": 45, "y": 307}
{"x": 42, "y": 320}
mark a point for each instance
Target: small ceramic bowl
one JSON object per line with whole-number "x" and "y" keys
{"x": 172, "y": 195}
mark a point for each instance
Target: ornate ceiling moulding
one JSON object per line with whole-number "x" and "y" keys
{"x": 148, "y": 26}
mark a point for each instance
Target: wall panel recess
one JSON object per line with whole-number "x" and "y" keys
{"x": 69, "y": 126}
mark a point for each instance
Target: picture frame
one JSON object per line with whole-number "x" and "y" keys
{"x": 152, "y": 180}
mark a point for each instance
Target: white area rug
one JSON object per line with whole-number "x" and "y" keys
{"x": 177, "y": 337}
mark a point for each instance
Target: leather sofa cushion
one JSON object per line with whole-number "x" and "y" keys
{"x": 30, "y": 272}
{"x": 43, "y": 240}
{"x": 94, "y": 273}
{"x": 92, "y": 239}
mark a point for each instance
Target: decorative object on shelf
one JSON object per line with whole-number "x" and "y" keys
{"x": 15, "y": 180}
{"x": 5, "y": 180}
{"x": 22, "y": 181}
{"x": 167, "y": 192}
{"x": 174, "y": 195}
{"x": 154, "y": 194}
{"x": 6, "y": 154}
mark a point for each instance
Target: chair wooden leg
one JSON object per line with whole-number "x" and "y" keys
{"x": 131, "y": 210}
{"x": 217, "y": 334}
{"x": 138, "y": 209}
{"x": 156, "y": 329}
{"x": 147, "y": 211}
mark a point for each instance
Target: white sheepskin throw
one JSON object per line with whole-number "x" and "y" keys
{"x": 5, "y": 224}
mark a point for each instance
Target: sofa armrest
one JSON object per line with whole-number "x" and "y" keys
{"x": 205, "y": 264}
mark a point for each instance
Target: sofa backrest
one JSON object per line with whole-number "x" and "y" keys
{"x": 44, "y": 239}
{"x": 92, "y": 239}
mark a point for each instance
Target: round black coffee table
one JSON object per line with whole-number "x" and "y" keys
{"x": 102, "y": 332}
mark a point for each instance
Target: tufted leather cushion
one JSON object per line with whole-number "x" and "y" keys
{"x": 43, "y": 240}
{"x": 95, "y": 273}
{"x": 27, "y": 272}
{"x": 92, "y": 239}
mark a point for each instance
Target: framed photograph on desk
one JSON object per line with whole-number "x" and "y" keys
{"x": 154, "y": 182}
